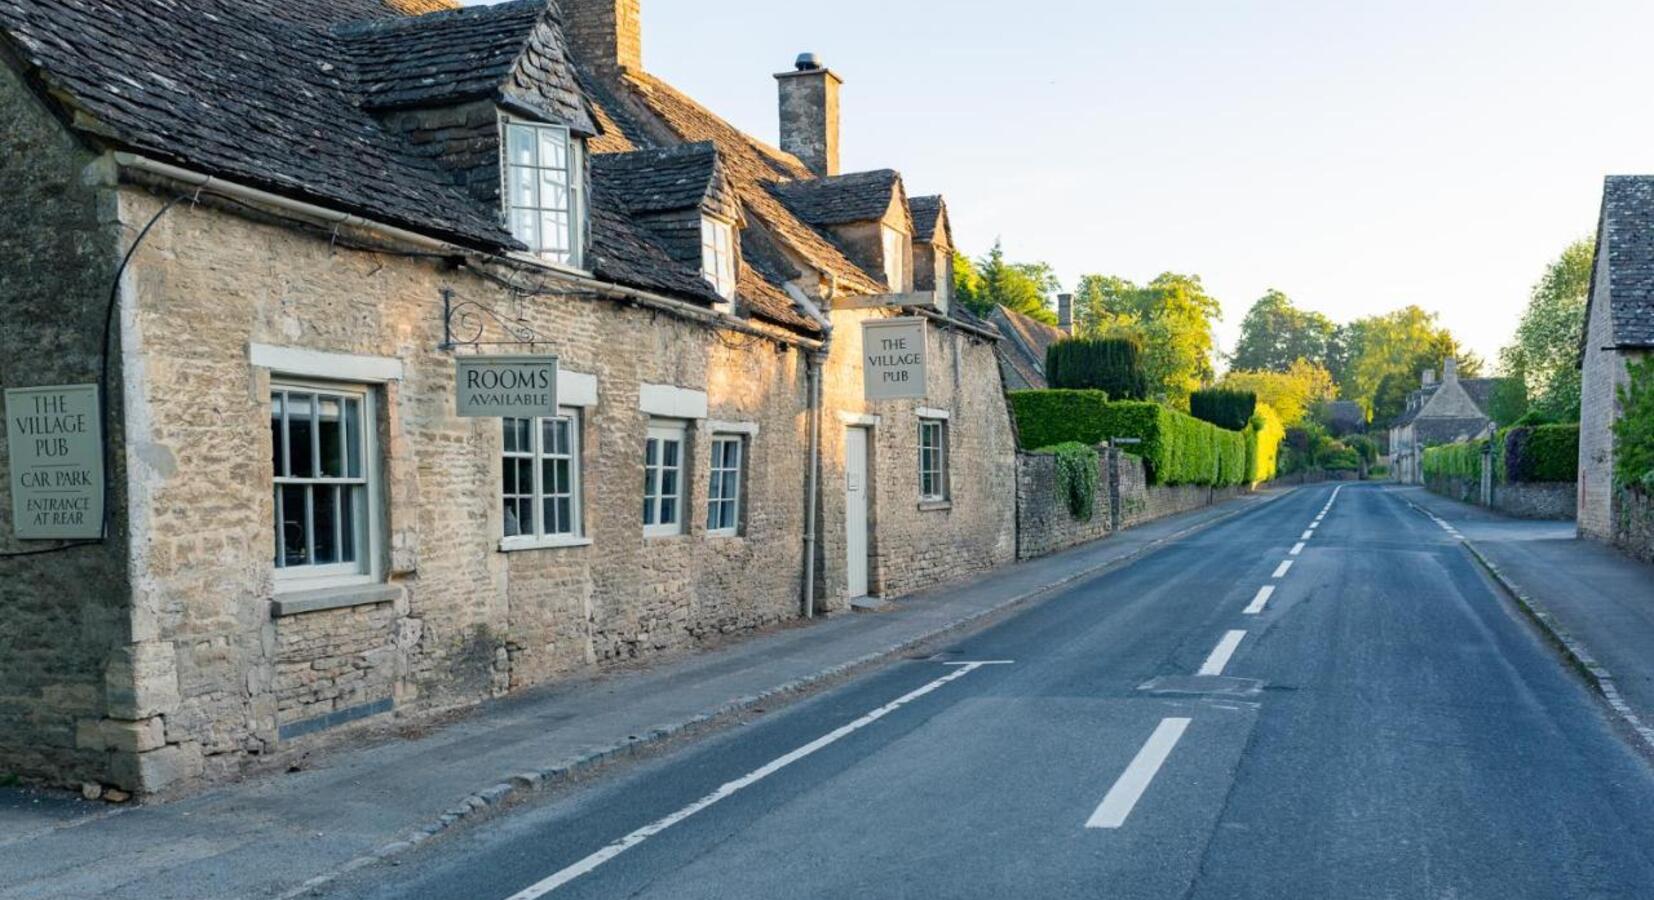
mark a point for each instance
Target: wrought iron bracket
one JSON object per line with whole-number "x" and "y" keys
{"x": 466, "y": 322}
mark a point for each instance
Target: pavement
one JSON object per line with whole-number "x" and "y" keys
{"x": 1594, "y": 602}
{"x": 352, "y": 810}
{"x": 1324, "y": 696}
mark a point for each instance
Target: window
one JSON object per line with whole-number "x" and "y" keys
{"x": 896, "y": 253}
{"x": 723, "y": 498}
{"x": 718, "y": 255}
{"x": 663, "y": 480}
{"x": 321, "y": 440}
{"x": 543, "y": 190}
{"x": 540, "y": 479}
{"x": 933, "y": 459}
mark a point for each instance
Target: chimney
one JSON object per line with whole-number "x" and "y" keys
{"x": 1450, "y": 370}
{"x": 1427, "y": 377}
{"x": 809, "y": 114}
{"x": 606, "y": 36}
{"x": 1065, "y": 312}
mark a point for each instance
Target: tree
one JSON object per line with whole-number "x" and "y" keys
{"x": 1402, "y": 342}
{"x": 1275, "y": 334}
{"x": 1545, "y": 352}
{"x": 992, "y": 281}
{"x": 1292, "y": 394}
{"x": 1171, "y": 318}
{"x": 1106, "y": 364}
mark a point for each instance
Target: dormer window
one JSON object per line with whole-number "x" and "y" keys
{"x": 897, "y": 251}
{"x": 544, "y": 198}
{"x": 718, "y": 255}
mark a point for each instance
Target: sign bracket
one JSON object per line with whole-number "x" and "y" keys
{"x": 466, "y": 322}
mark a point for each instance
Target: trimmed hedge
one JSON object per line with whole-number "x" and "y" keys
{"x": 1461, "y": 460}
{"x": 1105, "y": 364}
{"x": 1263, "y": 444}
{"x": 1224, "y": 408}
{"x": 1176, "y": 448}
{"x": 1048, "y": 417}
{"x": 1540, "y": 453}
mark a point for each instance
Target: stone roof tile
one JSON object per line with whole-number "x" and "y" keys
{"x": 1628, "y": 229}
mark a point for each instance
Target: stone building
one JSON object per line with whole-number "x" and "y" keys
{"x": 1619, "y": 328}
{"x": 1022, "y": 351}
{"x": 295, "y": 215}
{"x": 1441, "y": 412}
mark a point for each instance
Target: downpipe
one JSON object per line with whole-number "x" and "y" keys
{"x": 812, "y": 379}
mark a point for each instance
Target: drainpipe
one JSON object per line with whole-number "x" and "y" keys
{"x": 813, "y": 388}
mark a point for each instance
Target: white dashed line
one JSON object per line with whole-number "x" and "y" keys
{"x": 1257, "y": 604}
{"x": 1307, "y": 535}
{"x": 1297, "y": 548}
{"x": 1121, "y": 798}
{"x": 1280, "y": 570}
{"x": 1221, "y": 653}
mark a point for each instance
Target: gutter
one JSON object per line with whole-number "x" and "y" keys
{"x": 204, "y": 183}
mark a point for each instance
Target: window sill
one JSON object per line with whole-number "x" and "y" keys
{"x": 518, "y": 544}
{"x": 323, "y": 599}
{"x": 662, "y": 534}
{"x": 934, "y": 505}
{"x": 723, "y": 534}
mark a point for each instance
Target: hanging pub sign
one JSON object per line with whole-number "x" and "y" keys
{"x": 54, "y": 438}
{"x": 893, "y": 358}
{"x": 509, "y": 387}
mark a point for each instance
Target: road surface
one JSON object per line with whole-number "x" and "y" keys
{"x": 1323, "y": 697}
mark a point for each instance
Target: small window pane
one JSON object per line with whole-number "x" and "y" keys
{"x": 325, "y": 501}
{"x": 301, "y": 458}
{"x": 553, "y": 148}
{"x": 353, "y": 438}
{"x": 330, "y": 435}
{"x": 278, "y": 461}
{"x": 521, "y": 140}
{"x": 525, "y": 227}
{"x": 295, "y": 523}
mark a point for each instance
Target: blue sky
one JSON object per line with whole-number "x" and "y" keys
{"x": 1358, "y": 156}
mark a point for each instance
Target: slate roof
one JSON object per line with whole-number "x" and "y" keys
{"x": 466, "y": 54}
{"x": 841, "y": 199}
{"x": 230, "y": 88}
{"x": 1628, "y": 230}
{"x": 661, "y": 179}
{"x": 1022, "y": 354}
{"x": 928, "y": 214}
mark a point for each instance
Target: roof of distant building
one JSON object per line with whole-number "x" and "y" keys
{"x": 1628, "y": 231}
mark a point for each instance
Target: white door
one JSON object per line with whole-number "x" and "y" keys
{"x": 855, "y": 510}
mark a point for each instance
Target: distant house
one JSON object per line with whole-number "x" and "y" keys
{"x": 1454, "y": 409}
{"x": 1619, "y": 328}
{"x": 1022, "y": 352}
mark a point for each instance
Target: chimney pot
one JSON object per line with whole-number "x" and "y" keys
{"x": 1450, "y": 370}
{"x": 1427, "y": 377}
{"x": 808, "y": 62}
{"x": 1065, "y": 312}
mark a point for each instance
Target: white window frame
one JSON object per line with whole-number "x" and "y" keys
{"x": 937, "y": 452}
{"x": 898, "y": 259}
{"x": 574, "y": 175}
{"x": 659, "y": 434}
{"x": 537, "y": 537}
{"x": 720, "y": 474}
{"x": 718, "y": 255}
{"x": 366, "y": 568}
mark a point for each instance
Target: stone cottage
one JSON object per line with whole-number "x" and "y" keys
{"x": 1440, "y": 412}
{"x": 1022, "y": 351}
{"x": 266, "y": 230}
{"x": 1619, "y": 328}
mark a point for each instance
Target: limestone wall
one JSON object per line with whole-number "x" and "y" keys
{"x": 62, "y": 614}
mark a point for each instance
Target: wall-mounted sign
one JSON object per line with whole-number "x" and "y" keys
{"x": 893, "y": 358}
{"x": 54, "y": 438}
{"x": 516, "y": 387}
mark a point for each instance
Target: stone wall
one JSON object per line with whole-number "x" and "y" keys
{"x": 470, "y": 620}
{"x": 1044, "y": 522}
{"x": 1602, "y": 371}
{"x": 62, "y": 614}
{"x": 1045, "y": 525}
{"x": 1634, "y": 527}
{"x": 913, "y": 545}
{"x": 1523, "y": 500}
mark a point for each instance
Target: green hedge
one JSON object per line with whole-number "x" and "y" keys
{"x": 1461, "y": 460}
{"x": 1634, "y": 430}
{"x": 1106, "y": 364}
{"x": 1224, "y": 408}
{"x": 1263, "y": 444}
{"x": 1177, "y": 448}
{"x": 1540, "y": 453}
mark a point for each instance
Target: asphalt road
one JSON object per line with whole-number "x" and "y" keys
{"x": 1382, "y": 725}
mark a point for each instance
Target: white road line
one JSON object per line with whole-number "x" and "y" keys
{"x": 1307, "y": 535}
{"x": 1297, "y": 548}
{"x": 1220, "y": 654}
{"x": 1256, "y": 606}
{"x": 568, "y": 874}
{"x": 1280, "y": 570}
{"x": 1118, "y": 802}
